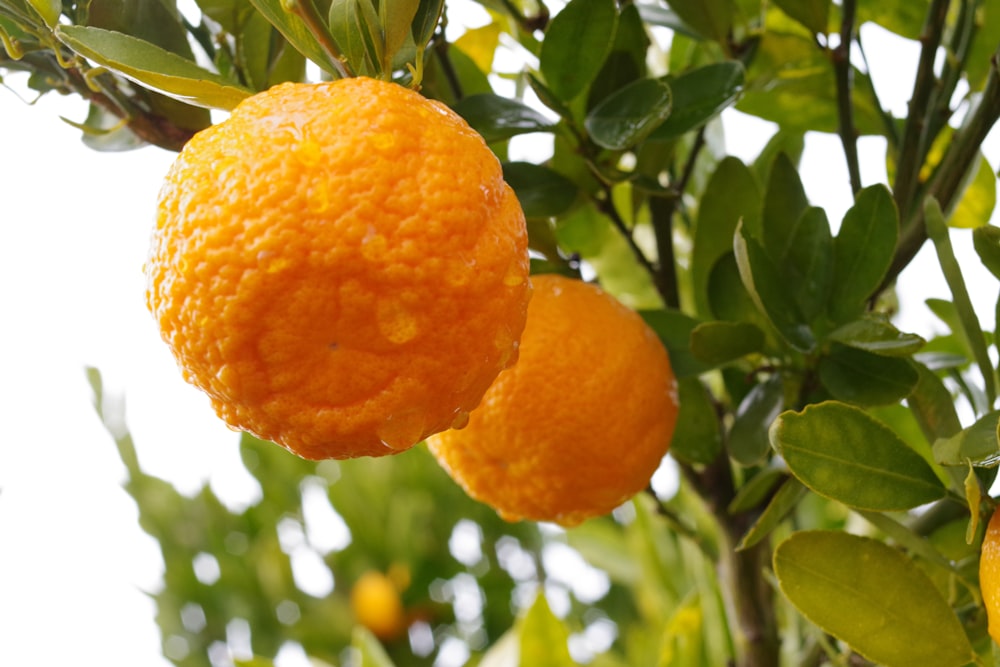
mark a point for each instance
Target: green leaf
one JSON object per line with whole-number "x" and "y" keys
{"x": 577, "y": 41}
{"x": 978, "y": 444}
{"x": 629, "y": 115}
{"x": 295, "y": 31}
{"x": 542, "y": 192}
{"x": 937, "y": 231}
{"x": 717, "y": 343}
{"x": 696, "y": 436}
{"x": 872, "y": 597}
{"x": 877, "y": 335}
{"x": 785, "y": 202}
{"x": 863, "y": 250}
{"x": 863, "y": 378}
{"x": 842, "y": 453}
{"x": 790, "y": 142}
{"x": 397, "y": 19}
{"x": 813, "y": 14}
{"x": 370, "y": 651}
{"x": 162, "y": 70}
{"x": 49, "y": 10}
{"x": 699, "y": 96}
{"x": 710, "y": 18}
{"x": 154, "y": 21}
{"x": 784, "y": 501}
{"x": 498, "y": 118}
{"x": 978, "y": 199}
{"x": 674, "y": 329}
{"x": 626, "y": 61}
{"x": 544, "y": 638}
{"x": 748, "y": 437}
{"x": 790, "y": 82}
{"x": 903, "y": 17}
{"x": 986, "y": 241}
{"x": 731, "y": 194}
{"x": 356, "y": 29}
{"x": 933, "y": 407}
{"x": 425, "y": 21}
{"x": 808, "y": 264}
{"x": 770, "y": 293}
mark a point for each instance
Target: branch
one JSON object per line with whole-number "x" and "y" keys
{"x": 844, "y": 75}
{"x": 946, "y": 182}
{"x": 913, "y": 147}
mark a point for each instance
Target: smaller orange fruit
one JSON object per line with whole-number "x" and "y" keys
{"x": 376, "y": 605}
{"x": 580, "y": 423}
{"x": 989, "y": 575}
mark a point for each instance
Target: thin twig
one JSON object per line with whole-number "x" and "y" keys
{"x": 607, "y": 206}
{"x": 914, "y": 145}
{"x": 844, "y": 76}
{"x": 946, "y": 181}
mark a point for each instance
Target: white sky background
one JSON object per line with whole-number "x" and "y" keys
{"x": 74, "y": 227}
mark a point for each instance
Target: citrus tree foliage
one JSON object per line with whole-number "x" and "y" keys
{"x": 834, "y": 470}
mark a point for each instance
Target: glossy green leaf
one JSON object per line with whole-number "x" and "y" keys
{"x": 542, "y": 192}
{"x": 397, "y": 20}
{"x": 426, "y": 20}
{"x": 699, "y": 96}
{"x": 807, "y": 265}
{"x": 49, "y": 10}
{"x": 748, "y": 437}
{"x": 790, "y": 142}
{"x": 784, "y": 501}
{"x": 813, "y": 14}
{"x": 667, "y": 18}
{"x": 696, "y": 436}
{"x": 877, "y": 335}
{"x": 932, "y": 405}
{"x": 626, "y": 62}
{"x": 577, "y": 41}
{"x": 369, "y": 650}
{"x": 978, "y": 444}
{"x": 872, "y": 597}
{"x": 544, "y": 638}
{"x": 710, "y": 18}
{"x": 986, "y": 241}
{"x": 757, "y": 489}
{"x": 498, "y": 118}
{"x": 976, "y": 204}
{"x": 842, "y": 453}
{"x": 161, "y": 70}
{"x": 857, "y": 376}
{"x": 629, "y": 115}
{"x": 355, "y": 28}
{"x": 717, "y": 343}
{"x": 674, "y": 329}
{"x": 295, "y": 31}
{"x": 863, "y": 250}
{"x": 770, "y": 292}
{"x": 153, "y": 21}
{"x": 728, "y": 298}
{"x": 785, "y": 202}
{"x": 730, "y": 195}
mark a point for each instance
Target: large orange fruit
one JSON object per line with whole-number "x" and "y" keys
{"x": 340, "y": 267}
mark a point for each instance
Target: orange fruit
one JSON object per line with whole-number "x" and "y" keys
{"x": 340, "y": 267}
{"x": 580, "y": 423}
{"x": 989, "y": 575}
{"x": 376, "y": 605}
